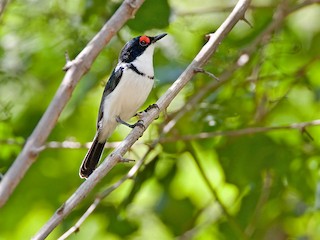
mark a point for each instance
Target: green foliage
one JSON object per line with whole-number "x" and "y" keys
{"x": 152, "y": 14}
{"x": 228, "y": 186}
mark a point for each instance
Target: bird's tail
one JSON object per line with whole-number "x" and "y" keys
{"x": 92, "y": 158}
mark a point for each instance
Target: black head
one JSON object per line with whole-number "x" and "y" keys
{"x": 136, "y": 46}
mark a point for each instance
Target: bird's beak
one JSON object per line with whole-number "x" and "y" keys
{"x": 158, "y": 37}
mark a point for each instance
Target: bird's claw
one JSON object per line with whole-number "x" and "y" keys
{"x": 151, "y": 107}
{"x": 139, "y": 124}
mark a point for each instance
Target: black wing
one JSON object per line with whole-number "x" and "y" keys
{"x": 111, "y": 85}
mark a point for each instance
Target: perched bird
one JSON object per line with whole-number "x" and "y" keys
{"x": 127, "y": 89}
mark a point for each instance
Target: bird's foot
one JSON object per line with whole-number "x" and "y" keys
{"x": 139, "y": 123}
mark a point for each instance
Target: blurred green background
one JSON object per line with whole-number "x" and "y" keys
{"x": 251, "y": 186}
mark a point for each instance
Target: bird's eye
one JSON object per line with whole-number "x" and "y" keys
{"x": 144, "y": 41}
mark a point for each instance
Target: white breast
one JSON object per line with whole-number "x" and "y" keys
{"x": 130, "y": 94}
{"x": 144, "y": 63}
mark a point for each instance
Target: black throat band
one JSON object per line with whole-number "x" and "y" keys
{"x": 135, "y": 69}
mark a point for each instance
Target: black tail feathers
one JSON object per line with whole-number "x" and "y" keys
{"x": 92, "y": 158}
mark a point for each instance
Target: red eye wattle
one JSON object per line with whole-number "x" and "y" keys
{"x": 144, "y": 40}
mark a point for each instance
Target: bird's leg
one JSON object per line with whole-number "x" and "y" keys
{"x": 139, "y": 123}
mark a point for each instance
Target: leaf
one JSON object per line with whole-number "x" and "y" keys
{"x": 176, "y": 214}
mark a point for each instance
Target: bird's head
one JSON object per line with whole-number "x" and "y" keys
{"x": 138, "y": 46}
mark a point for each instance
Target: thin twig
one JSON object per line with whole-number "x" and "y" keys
{"x": 200, "y": 70}
{"x": 217, "y": 9}
{"x": 76, "y": 227}
{"x": 246, "y": 131}
{"x": 204, "y": 135}
{"x": 67, "y": 144}
{"x": 199, "y": 61}
{"x": 80, "y": 65}
{"x": 69, "y": 63}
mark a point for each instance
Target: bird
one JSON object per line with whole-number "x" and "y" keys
{"x": 127, "y": 88}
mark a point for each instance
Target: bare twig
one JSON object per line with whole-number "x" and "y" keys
{"x": 226, "y": 9}
{"x": 67, "y": 144}
{"x": 217, "y": 9}
{"x": 303, "y": 4}
{"x": 246, "y": 131}
{"x": 76, "y": 227}
{"x": 80, "y": 65}
{"x": 199, "y": 61}
{"x": 68, "y": 62}
{"x": 204, "y": 135}
{"x": 200, "y": 70}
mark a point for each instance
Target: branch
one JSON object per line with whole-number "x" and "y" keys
{"x": 199, "y": 61}
{"x": 218, "y": 9}
{"x": 246, "y": 131}
{"x": 66, "y": 144}
{"x": 79, "y": 66}
{"x": 204, "y": 135}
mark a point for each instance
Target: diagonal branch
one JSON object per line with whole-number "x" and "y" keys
{"x": 199, "y": 61}
{"x": 75, "y": 70}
